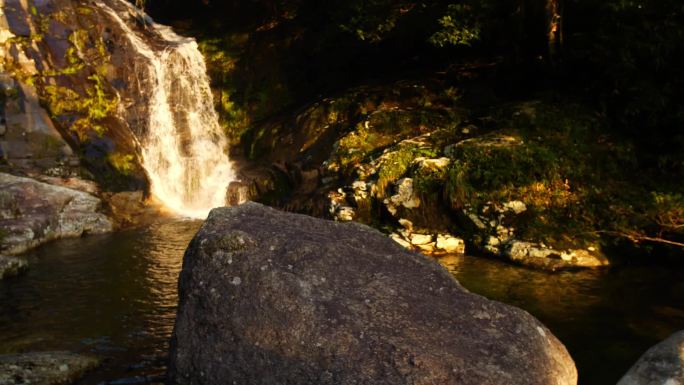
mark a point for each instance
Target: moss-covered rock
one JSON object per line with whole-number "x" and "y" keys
{"x": 538, "y": 183}
{"x": 69, "y": 87}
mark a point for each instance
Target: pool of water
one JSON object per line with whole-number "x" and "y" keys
{"x": 111, "y": 295}
{"x": 606, "y": 318}
{"x": 115, "y": 296}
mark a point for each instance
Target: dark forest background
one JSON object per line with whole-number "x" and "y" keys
{"x": 622, "y": 56}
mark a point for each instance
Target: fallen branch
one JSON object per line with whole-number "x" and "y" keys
{"x": 638, "y": 238}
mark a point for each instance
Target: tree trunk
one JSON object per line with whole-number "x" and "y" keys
{"x": 554, "y": 28}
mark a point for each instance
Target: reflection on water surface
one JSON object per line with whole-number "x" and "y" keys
{"x": 607, "y": 318}
{"x": 115, "y": 296}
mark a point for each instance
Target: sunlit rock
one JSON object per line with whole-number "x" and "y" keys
{"x": 321, "y": 302}
{"x": 450, "y": 244}
{"x": 542, "y": 256}
{"x": 420, "y": 239}
{"x": 433, "y": 164}
{"x": 406, "y": 224}
{"x": 398, "y": 238}
{"x": 345, "y": 213}
{"x": 238, "y": 192}
{"x": 517, "y": 207}
{"x": 32, "y": 213}
{"x": 405, "y": 195}
{"x": 496, "y": 225}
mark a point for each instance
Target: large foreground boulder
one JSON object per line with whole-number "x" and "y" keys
{"x": 32, "y": 213}
{"x": 662, "y": 364}
{"x": 268, "y": 297}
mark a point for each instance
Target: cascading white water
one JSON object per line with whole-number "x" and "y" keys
{"x": 184, "y": 151}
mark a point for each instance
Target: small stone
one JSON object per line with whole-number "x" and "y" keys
{"x": 427, "y": 248}
{"x": 359, "y": 185}
{"x": 401, "y": 241}
{"x": 405, "y": 194}
{"x": 390, "y": 207}
{"x": 345, "y": 214}
{"x": 450, "y": 244}
{"x": 433, "y": 164}
{"x": 493, "y": 241}
{"x": 476, "y": 221}
{"x": 405, "y": 223}
{"x": 517, "y": 207}
{"x": 420, "y": 239}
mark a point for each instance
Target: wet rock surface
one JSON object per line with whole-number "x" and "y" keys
{"x": 271, "y": 297}
{"x": 131, "y": 209}
{"x": 11, "y": 266}
{"x": 32, "y": 213}
{"x": 45, "y": 368}
{"x": 663, "y": 364}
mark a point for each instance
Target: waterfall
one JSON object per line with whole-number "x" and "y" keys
{"x": 184, "y": 149}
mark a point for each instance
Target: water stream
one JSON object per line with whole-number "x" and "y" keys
{"x": 115, "y": 296}
{"x": 184, "y": 150}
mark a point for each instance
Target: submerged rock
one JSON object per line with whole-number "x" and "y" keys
{"x": 47, "y": 368}
{"x": 11, "y": 266}
{"x": 32, "y": 213}
{"x": 272, "y": 297}
{"x": 663, "y": 364}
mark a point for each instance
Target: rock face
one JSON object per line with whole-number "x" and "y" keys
{"x": 64, "y": 93}
{"x": 663, "y": 364}
{"x": 10, "y": 266}
{"x": 273, "y": 298}
{"x": 32, "y": 213}
{"x": 49, "y": 368}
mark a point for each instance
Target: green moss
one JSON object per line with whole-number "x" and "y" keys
{"x": 220, "y": 56}
{"x": 125, "y": 164}
{"x": 494, "y": 169}
{"x": 84, "y": 110}
{"x": 457, "y": 190}
{"x": 394, "y": 165}
{"x": 578, "y": 182}
{"x": 3, "y": 234}
{"x": 90, "y": 109}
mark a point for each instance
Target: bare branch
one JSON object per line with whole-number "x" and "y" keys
{"x": 638, "y": 238}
